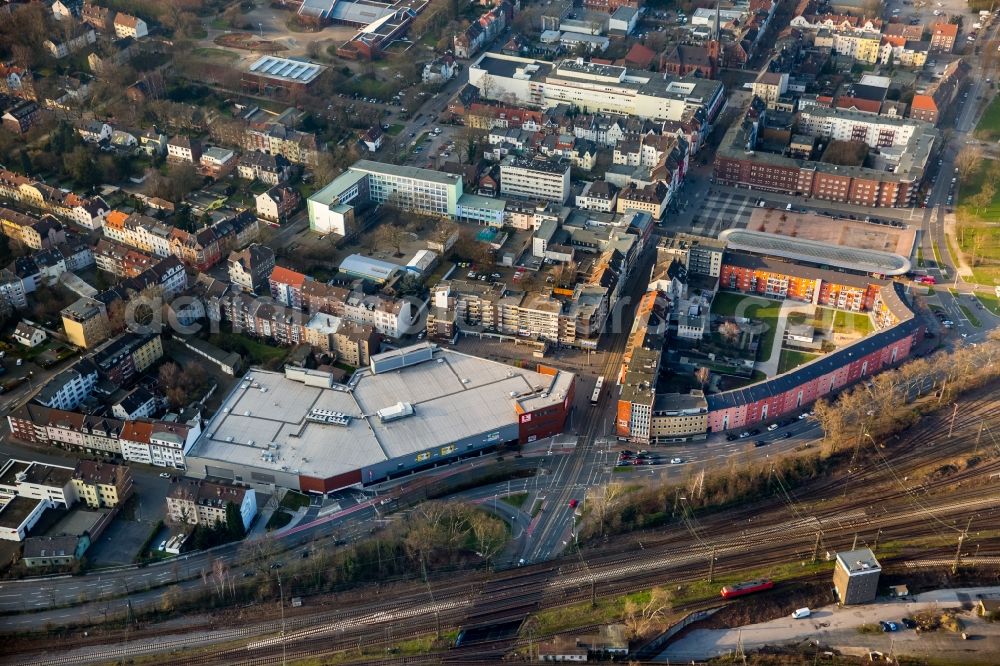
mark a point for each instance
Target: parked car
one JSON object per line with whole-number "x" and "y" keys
{"x": 772, "y": 427}
{"x": 801, "y": 613}
{"x": 676, "y": 461}
{"x": 573, "y": 503}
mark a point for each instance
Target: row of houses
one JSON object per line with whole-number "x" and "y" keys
{"x": 159, "y": 443}
{"x": 88, "y": 212}
{"x": 201, "y": 249}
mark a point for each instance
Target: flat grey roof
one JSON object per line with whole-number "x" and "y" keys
{"x": 800, "y": 249}
{"x": 415, "y": 173}
{"x": 454, "y": 396}
{"x": 287, "y": 69}
{"x": 862, "y": 559}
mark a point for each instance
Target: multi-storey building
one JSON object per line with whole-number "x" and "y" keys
{"x": 278, "y": 139}
{"x": 86, "y": 323}
{"x": 265, "y": 167}
{"x": 196, "y": 502}
{"x": 38, "y": 481}
{"x": 653, "y": 199}
{"x": 286, "y": 286}
{"x": 698, "y": 254}
{"x": 410, "y": 188}
{"x": 535, "y": 179}
{"x": 123, "y": 359}
{"x": 69, "y": 388}
{"x": 102, "y": 484}
{"x": 769, "y": 86}
{"x": 251, "y": 269}
{"x": 592, "y": 87}
{"x": 183, "y": 149}
{"x": 126, "y": 25}
{"x": 277, "y": 204}
{"x": 856, "y": 576}
{"x": 943, "y": 36}
{"x": 904, "y": 146}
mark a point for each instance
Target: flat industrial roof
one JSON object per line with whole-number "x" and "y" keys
{"x": 13, "y": 513}
{"x": 824, "y": 254}
{"x": 416, "y": 173}
{"x": 840, "y": 231}
{"x": 454, "y": 396}
{"x": 287, "y": 69}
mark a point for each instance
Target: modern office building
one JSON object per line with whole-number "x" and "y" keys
{"x": 594, "y": 88}
{"x": 535, "y": 179}
{"x": 331, "y": 209}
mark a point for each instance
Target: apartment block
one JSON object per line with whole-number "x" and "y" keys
{"x": 197, "y": 502}
{"x": 86, "y": 323}
{"x": 535, "y": 179}
{"x": 102, "y": 484}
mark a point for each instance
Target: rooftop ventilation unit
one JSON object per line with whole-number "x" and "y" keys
{"x": 398, "y": 411}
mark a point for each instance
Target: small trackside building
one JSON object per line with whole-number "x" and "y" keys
{"x": 856, "y": 576}
{"x": 412, "y": 409}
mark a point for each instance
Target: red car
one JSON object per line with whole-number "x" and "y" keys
{"x": 927, "y": 279}
{"x": 572, "y": 503}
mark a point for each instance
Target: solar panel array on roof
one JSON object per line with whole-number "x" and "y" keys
{"x": 286, "y": 68}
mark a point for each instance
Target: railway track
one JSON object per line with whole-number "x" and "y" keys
{"x": 778, "y": 530}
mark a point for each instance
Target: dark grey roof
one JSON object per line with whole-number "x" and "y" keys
{"x": 814, "y": 369}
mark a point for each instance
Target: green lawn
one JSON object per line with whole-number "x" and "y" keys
{"x": 989, "y": 125}
{"x": 969, "y": 315}
{"x": 843, "y": 321}
{"x": 852, "y": 321}
{"x": 294, "y": 501}
{"x": 258, "y": 352}
{"x": 395, "y": 129}
{"x": 278, "y": 520}
{"x": 987, "y": 270}
{"x": 516, "y": 500}
{"x": 991, "y": 302}
{"x": 920, "y": 256}
{"x": 730, "y": 304}
{"x": 792, "y": 359}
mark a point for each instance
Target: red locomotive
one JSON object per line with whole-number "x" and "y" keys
{"x": 749, "y": 587}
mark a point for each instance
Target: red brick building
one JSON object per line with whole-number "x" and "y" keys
{"x": 792, "y": 391}
{"x": 774, "y": 278}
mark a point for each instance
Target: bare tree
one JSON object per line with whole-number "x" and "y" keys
{"x": 639, "y": 618}
{"x": 703, "y": 375}
{"x": 968, "y": 160}
{"x": 603, "y": 500}
{"x": 490, "y": 535}
{"x": 392, "y": 236}
{"x": 730, "y": 331}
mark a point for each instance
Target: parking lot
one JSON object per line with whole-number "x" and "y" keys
{"x": 837, "y": 627}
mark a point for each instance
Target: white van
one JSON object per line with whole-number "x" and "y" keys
{"x": 801, "y": 613}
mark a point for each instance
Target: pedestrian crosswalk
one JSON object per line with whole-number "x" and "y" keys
{"x": 720, "y": 211}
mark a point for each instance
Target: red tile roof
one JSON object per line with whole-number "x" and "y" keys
{"x": 283, "y": 275}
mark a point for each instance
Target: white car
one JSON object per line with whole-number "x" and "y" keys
{"x": 162, "y": 547}
{"x": 772, "y": 427}
{"x": 164, "y": 475}
{"x": 676, "y": 461}
{"x": 801, "y": 613}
